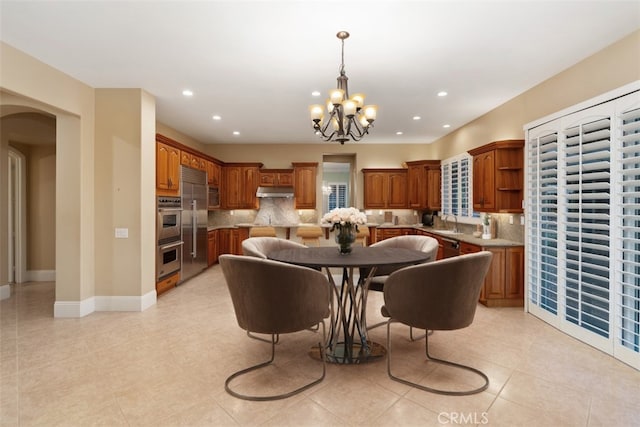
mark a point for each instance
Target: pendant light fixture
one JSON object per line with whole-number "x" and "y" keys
{"x": 347, "y": 117}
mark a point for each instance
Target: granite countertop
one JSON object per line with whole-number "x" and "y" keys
{"x": 467, "y": 238}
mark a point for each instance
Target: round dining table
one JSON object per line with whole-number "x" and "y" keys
{"x": 347, "y": 342}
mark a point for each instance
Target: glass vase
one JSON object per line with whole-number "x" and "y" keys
{"x": 345, "y": 237}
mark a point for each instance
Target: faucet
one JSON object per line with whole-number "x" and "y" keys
{"x": 455, "y": 228}
{"x": 446, "y": 222}
{"x": 444, "y": 219}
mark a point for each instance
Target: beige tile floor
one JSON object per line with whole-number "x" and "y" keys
{"x": 166, "y": 367}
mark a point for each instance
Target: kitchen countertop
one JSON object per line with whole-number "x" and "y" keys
{"x": 467, "y": 238}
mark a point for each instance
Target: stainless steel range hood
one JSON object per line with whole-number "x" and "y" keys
{"x": 286, "y": 192}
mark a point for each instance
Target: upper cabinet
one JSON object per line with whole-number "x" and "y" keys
{"x": 304, "y": 183}
{"x": 423, "y": 184}
{"x": 167, "y": 170}
{"x": 240, "y": 184}
{"x": 276, "y": 177}
{"x": 213, "y": 174}
{"x": 498, "y": 176}
{"x": 385, "y": 188}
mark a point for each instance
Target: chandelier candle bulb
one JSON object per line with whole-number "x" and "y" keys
{"x": 358, "y": 98}
{"x": 316, "y": 112}
{"x": 349, "y": 108}
{"x": 336, "y": 96}
{"x": 370, "y": 112}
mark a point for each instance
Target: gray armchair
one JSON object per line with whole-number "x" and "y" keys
{"x": 271, "y": 297}
{"x": 441, "y": 295}
{"x": 418, "y": 243}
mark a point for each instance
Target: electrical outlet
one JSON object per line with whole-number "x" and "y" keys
{"x": 511, "y": 219}
{"x": 521, "y": 219}
{"x": 122, "y": 233}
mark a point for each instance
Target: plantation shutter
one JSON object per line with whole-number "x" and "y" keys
{"x": 627, "y": 269}
{"x": 586, "y": 221}
{"x": 446, "y": 189}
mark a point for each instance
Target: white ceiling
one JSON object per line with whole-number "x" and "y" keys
{"x": 255, "y": 63}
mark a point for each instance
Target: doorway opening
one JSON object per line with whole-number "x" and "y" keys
{"x": 17, "y": 217}
{"x": 338, "y": 181}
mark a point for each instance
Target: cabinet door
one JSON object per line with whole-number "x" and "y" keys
{"x": 212, "y": 247}
{"x": 249, "y": 187}
{"x": 232, "y": 187}
{"x": 267, "y": 179}
{"x": 397, "y": 190}
{"x": 213, "y": 174}
{"x": 285, "y": 178}
{"x": 167, "y": 169}
{"x": 195, "y": 162}
{"x": 484, "y": 182}
{"x": 305, "y": 186}
{"x": 494, "y": 282}
{"x": 514, "y": 274}
{"x": 416, "y": 187}
{"x": 374, "y": 190}
{"x": 433, "y": 189}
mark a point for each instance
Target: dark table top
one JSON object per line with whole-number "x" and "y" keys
{"x": 330, "y": 256}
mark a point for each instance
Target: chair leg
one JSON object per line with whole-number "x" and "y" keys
{"x": 227, "y": 383}
{"x": 419, "y": 337}
{"x": 440, "y": 361}
{"x": 255, "y": 337}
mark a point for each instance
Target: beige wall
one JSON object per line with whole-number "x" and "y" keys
{"x": 123, "y": 197}
{"x": 606, "y": 70}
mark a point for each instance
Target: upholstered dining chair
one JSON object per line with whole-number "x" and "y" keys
{"x": 442, "y": 296}
{"x": 260, "y": 247}
{"x": 271, "y": 297}
{"x": 419, "y": 243}
{"x": 362, "y": 237}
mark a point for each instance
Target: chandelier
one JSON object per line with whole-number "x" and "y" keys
{"x": 348, "y": 117}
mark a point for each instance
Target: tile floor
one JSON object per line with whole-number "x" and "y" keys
{"x": 166, "y": 367}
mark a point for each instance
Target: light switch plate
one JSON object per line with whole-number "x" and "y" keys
{"x": 122, "y": 233}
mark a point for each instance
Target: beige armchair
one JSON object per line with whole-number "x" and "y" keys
{"x": 418, "y": 243}
{"x": 261, "y": 246}
{"x": 441, "y": 295}
{"x": 271, "y": 297}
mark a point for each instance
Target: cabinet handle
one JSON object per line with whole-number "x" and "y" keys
{"x": 170, "y": 183}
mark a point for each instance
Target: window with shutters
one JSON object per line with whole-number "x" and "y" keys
{"x": 456, "y": 188}
{"x": 338, "y": 197}
{"x": 583, "y": 223}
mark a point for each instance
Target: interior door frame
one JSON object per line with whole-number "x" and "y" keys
{"x": 17, "y": 250}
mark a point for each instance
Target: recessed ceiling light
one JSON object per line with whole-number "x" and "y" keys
{"x": 446, "y": 126}
{"x": 399, "y": 133}
{"x": 315, "y": 93}
{"x": 187, "y": 92}
{"x": 416, "y": 117}
{"x": 236, "y": 133}
{"x": 442, "y": 93}
{"x": 216, "y": 117}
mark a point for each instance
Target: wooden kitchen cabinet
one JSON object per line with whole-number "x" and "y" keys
{"x": 434, "y": 198}
{"x": 421, "y": 192}
{"x": 498, "y": 176}
{"x": 385, "y": 188}
{"x": 240, "y": 184}
{"x": 276, "y": 177}
{"x": 304, "y": 184}
{"x": 212, "y": 247}
{"x": 167, "y": 283}
{"x": 167, "y": 170}
{"x": 504, "y": 283}
{"x": 213, "y": 174}
{"x": 389, "y": 232}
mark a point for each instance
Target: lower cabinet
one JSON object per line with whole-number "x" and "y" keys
{"x": 212, "y": 247}
{"x": 167, "y": 283}
{"x": 504, "y": 283}
{"x": 440, "y": 254}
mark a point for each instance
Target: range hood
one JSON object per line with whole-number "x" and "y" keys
{"x": 286, "y": 192}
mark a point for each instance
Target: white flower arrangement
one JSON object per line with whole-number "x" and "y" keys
{"x": 343, "y": 216}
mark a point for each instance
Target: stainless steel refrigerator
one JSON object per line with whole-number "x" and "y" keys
{"x": 193, "y": 184}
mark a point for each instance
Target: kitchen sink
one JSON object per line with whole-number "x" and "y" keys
{"x": 447, "y": 232}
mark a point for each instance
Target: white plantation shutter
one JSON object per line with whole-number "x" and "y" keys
{"x": 338, "y": 196}
{"x": 583, "y": 224}
{"x": 542, "y": 233}
{"x": 456, "y": 186}
{"x": 627, "y": 266}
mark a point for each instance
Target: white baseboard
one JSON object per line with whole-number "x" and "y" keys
{"x": 5, "y": 291}
{"x": 104, "y": 303}
{"x": 40, "y": 276}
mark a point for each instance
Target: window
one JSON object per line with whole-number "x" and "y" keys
{"x": 456, "y": 187}
{"x": 583, "y": 224}
{"x": 338, "y": 197}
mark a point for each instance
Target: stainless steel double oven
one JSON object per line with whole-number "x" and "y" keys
{"x": 169, "y": 222}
